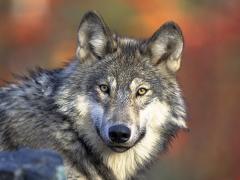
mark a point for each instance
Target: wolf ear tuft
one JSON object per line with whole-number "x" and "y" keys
{"x": 94, "y": 37}
{"x": 165, "y": 46}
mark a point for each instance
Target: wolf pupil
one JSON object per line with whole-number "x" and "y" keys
{"x": 104, "y": 88}
{"x": 141, "y": 91}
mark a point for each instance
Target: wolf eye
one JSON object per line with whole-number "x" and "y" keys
{"x": 141, "y": 91}
{"x": 104, "y": 88}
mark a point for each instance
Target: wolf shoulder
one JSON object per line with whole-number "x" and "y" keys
{"x": 26, "y": 104}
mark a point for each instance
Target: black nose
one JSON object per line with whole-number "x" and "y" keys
{"x": 119, "y": 133}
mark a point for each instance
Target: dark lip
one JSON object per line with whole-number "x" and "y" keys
{"x": 119, "y": 149}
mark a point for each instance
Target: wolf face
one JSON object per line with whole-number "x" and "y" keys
{"x": 125, "y": 89}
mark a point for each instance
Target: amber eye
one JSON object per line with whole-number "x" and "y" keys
{"x": 141, "y": 91}
{"x": 104, "y": 88}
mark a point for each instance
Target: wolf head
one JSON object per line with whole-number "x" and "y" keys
{"x": 122, "y": 91}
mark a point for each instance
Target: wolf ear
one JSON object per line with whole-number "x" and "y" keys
{"x": 165, "y": 46}
{"x": 94, "y": 37}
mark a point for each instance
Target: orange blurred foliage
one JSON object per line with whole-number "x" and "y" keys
{"x": 42, "y": 32}
{"x": 220, "y": 26}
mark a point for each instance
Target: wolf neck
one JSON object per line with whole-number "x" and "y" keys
{"x": 128, "y": 164}
{"x": 124, "y": 165}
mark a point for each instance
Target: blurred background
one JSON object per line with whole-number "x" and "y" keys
{"x": 43, "y": 33}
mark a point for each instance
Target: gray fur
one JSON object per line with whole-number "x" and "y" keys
{"x": 64, "y": 109}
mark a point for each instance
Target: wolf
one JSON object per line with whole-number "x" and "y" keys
{"x": 109, "y": 112}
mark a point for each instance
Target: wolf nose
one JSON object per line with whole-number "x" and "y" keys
{"x": 119, "y": 133}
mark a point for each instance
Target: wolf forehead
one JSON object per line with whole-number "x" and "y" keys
{"x": 123, "y": 68}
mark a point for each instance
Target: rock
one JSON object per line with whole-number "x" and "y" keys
{"x": 27, "y": 164}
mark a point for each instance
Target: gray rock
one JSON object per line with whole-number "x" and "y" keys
{"x": 27, "y": 164}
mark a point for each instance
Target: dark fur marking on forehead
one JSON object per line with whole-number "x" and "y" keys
{"x": 129, "y": 47}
